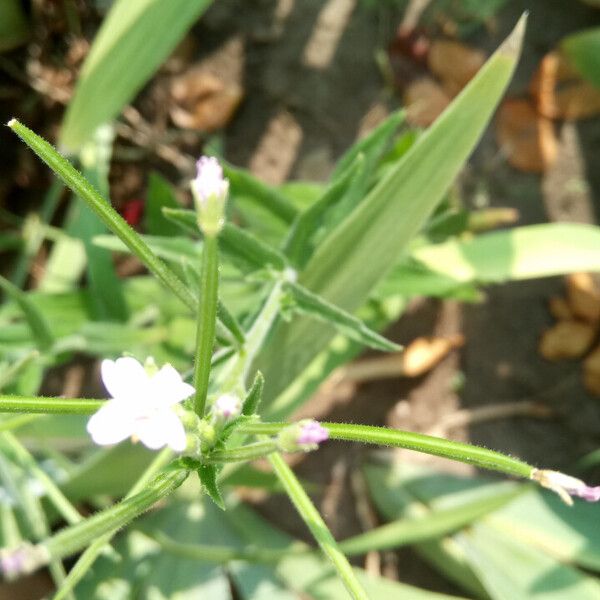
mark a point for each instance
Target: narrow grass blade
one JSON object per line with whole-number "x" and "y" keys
{"x": 135, "y": 38}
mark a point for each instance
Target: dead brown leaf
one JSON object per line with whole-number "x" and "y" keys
{"x": 559, "y": 91}
{"x": 527, "y": 139}
{"x": 567, "y": 339}
{"x": 560, "y": 309}
{"x": 583, "y": 293}
{"x": 203, "y": 101}
{"x": 454, "y": 63}
{"x": 425, "y": 100}
{"x": 422, "y": 354}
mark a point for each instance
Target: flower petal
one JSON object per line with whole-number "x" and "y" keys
{"x": 167, "y": 387}
{"x": 112, "y": 424}
{"x": 174, "y": 432}
{"x": 161, "y": 429}
{"x": 124, "y": 378}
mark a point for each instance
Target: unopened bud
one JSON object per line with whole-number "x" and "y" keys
{"x": 210, "y": 190}
{"x": 227, "y": 407}
{"x": 303, "y": 436}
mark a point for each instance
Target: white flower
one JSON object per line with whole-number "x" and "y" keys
{"x": 142, "y": 405}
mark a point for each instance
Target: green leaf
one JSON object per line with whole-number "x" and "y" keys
{"x": 300, "y": 244}
{"x": 107, "y": 297}
{"x": 34, "y": 317}
{"x": 510, "y": 570}
{"x": 230, "y": 322}
{"x": 175, "y": 250}
{"x": 515, "y": 254}
{"x": 355, "y": 257}
{"x": 372, "y": 145}
{"x": 436, "y": 524}
{"x": 252, "y": 401}
{"x": 158, "y": 197}
{"x": 135, "y": 38}
{"x": 541, "y": 519}
{"x": 244, "y": 249}
{"x": 14, "y": 28}
{"x": 309, "y": 574}
{"x": 208, "y": 478}
{"x": 308, "y": 303}
{"x": 146, "y": 572}
{"x": 113, "y": 220}
{"x": 583, "y": 48}
{"x": 243, "y": 183}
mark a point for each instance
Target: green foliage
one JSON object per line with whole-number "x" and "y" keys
{"x": 133, "y": 41}
{"x": 584, "y": 51}
{"x": 347, "y": 256}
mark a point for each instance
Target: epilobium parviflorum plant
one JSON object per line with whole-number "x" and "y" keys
{"x": 250, "y": 321}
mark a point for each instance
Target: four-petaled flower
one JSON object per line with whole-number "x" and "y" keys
{"x": 142, "y": 405}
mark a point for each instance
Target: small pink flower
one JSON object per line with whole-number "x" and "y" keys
{"x": 312, "y": 432}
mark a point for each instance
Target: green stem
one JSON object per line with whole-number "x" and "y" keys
{"x": 73, "y": 539}
{"x": 22, "y": 456}
{"x": 16, "y": 368}
{"x": 224, "y": 554}
{"x": 91, "y": 553}
{"x": 17, "y": 422}
{"x": 244, "y": 453}
{"x": 306, "y": 509}
{"x": 207, "y": 319}
{"x": 113, "y": 220}
{"x": 41, "y": 404}
{"x": 383, "y": 436}
{"x": 34, "y": 317}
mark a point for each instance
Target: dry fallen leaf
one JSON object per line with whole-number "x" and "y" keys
{"x": 527, "y": 139}
{"x": 423, "y": 354}
{"x": 560, "y": 309}
{"x": 591, "y": 372}
{"x": 203, "y": 101}
{"x": 454, "y": 63}
{"x": 420, "y": 356}
{"x": 567, "y": 339}
{"x": 583, "y": 293}
{"x": 559, "y": 91}
{"x": 425, "y": 101}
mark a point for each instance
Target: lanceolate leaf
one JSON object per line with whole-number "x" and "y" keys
{"x": 133, "y": 41}
{"x": 513, "y": 254}
{"x": 311, "y": 304}
{"x": 362, "y": 250}
{"x": 243, "y": 247}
